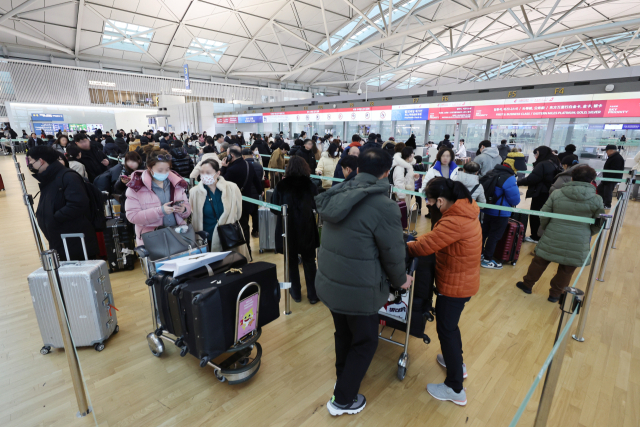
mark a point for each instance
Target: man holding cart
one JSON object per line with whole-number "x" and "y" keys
{"x": 361, "y": 247}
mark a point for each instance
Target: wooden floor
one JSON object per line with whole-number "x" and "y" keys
{"x": 506, "y": 337}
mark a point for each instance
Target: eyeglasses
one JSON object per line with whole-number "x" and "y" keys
{"x": 162, "y": 157}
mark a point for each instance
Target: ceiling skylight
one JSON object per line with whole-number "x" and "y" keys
{"x": 114, "y": 39}
{"x": 212, "y": 52}
{"x": 410, "y": 82}
{"x": 380, "y": 80}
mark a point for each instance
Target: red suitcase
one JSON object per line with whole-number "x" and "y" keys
{"x": 508, "y": 247}
{"x": 403, "y": 213}
{"x": 1, "y": 184}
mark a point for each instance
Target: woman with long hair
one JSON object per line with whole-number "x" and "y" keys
{"x": 456, "y": 239}
{"x": 443, "y": 167}
{"x": 328, "y": 163}
{"x": 297, "y": 191}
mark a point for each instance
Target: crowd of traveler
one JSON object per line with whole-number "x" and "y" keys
{"x": 156, "y": 183}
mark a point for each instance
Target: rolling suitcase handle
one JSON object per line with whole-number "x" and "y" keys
{"x": 64, "y": 238}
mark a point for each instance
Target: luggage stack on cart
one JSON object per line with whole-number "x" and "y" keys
{"x": 215, "y": 312}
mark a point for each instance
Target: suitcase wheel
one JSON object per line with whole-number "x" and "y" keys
{"x": 45, "y": 350}
{"x": 204, "y": 361}
{"x": 402, "y": 372}
{"x": 426, "y": 339}
{"x": 158, "y": 332}
{"x": 219, "y": 375}
{"x": 99, "y": 346}
{"x": 261, "y": 251}
{"x": 183, "y": 351}
{"x": 429, "y": 317}
{"x": 513, "y": 263}
{"x": 116, "y": 330}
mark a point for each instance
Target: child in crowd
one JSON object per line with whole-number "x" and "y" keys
{"x": 470, "y": 180}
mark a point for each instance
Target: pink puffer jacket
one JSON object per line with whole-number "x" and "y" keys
{"x": 143, "y": 207}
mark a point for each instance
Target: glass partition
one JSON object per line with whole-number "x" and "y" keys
{"x": 404, "y": 129}
{"x": 439, "y": 128}
{"x": 526, "y": 134}
{"x": 472, "y": 131}
{"x": 590, "y": 135}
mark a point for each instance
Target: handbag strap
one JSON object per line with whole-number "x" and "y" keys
{"x": 247, "y": 178}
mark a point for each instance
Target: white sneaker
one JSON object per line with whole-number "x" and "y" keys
{"x": 440, "y": 360}
{"x": 530, "y": 240}
{"x": 442, "y": 392}
{"x": 353, "y": 408}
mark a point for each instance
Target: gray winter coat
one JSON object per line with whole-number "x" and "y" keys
{"x": 567, "y": 242}
{"x": 361, "y": 246}
{"x": 562, "y": 178}
{"x": 504, "y": 150}
{"x": 472, "y": 182}
{"x": 488, "y": 159}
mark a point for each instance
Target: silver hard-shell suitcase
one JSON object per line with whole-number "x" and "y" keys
{"x": 86, "y": 291}
{"x": 267, "y": 226}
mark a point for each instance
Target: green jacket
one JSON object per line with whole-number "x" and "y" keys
{"x": 568, "y": 242}
{"x": 362, "y": 246}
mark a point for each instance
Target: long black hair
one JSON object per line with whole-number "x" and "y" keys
{"x": 447, "y": 189}
{"x": 545, "y": 153}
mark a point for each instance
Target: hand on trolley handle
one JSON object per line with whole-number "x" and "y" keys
{"x": 408, "y": 283}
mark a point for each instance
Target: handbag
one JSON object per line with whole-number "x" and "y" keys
{"x": 231, "y": 235}
{"x": 164, "y": 242}
{"x": 266, "y": 183}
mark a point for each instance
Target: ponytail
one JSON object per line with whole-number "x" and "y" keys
{"x": 447, "y": 189}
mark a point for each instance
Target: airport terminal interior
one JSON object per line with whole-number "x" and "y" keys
{"x": 323, "y": 286}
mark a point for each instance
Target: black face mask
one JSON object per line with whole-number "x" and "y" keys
{"x": 434, "y": 209}
{"x": 33, "y": 170}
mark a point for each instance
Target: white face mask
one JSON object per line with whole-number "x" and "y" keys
{"x": 209, "y": 179}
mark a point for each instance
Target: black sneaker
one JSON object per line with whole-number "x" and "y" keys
{"x": 255, "y": 234}
{"x": 523, "y": 287}
{"x": 553, "y": 299}
{"x": 356, "y": 406}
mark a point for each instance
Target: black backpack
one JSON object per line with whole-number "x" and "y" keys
{"x": 391, "y": 174}
{"x": 96, "y": 204}
{"x": 489, "y": 183}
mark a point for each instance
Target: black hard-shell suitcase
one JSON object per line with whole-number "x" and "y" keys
{"x": 208, "y": 308}
{"x": 119, "y": 240}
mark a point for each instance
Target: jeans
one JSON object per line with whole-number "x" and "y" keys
{"x": 448, "y": 311}
{"x": 492, "y": 230}
{"x": 534, "y": 220}
{"x": 605, "y": 190}
{"x": 356, "y": 340}
{"x": 309, "y": 266}
{"x": 561, "y": 280}
{"x": 247, "y": 211}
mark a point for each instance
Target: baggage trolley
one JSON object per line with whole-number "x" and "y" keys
{"x": 403, "y": 360}
{"x": 239, "y": 366}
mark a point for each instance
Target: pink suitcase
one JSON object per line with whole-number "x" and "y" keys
{"x": 403, "y": 213}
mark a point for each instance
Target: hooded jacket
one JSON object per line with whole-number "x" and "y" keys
{"x": 308, "y": 156}
{"x": 614, "y": 162}
{"x": 473, "y": 185}
{"x": 277, "y": 159}
{"x": 232, "y": 202}
{"x": 456, "y": 240}
{"x": 327, "y": 167}
{"x": 567, "y": 242}
{"x": 504, "y": 150}
{"x": 361, "y": 246}
{"x": 562, "y": 178}
{"x": 122, "y": 144}
{"x": 402, "y": 175}
{"x": 181, "y": 162}
{"x": 488, "y": 159}
{"x": 195, "y": 173}
{"x": 143, "y": 206}
{"x": 516, "y": 162}
{"x": 64, "y": 207}
{"x": 540, "y": 180}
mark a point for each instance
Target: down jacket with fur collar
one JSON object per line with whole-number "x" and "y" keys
{"x": 402, "y": 174}
{"x": 457, "y": 242}
{"x": 143, "y": 206}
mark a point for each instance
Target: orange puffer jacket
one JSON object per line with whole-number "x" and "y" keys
{"x": 457, "y": 242}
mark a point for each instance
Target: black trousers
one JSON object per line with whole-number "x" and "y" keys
{"x": 255, "y": 221}
{"x": 605, "y": 190}
{"x": 492, "y": 231}
{"x": 356, "y": 342}
{"x": 534, "y": 220}
{"x": 309, "y": 266}
{"x": 247, "y": 211}
{"x": 448, "y": 311}
{"x": 419, "y": 202}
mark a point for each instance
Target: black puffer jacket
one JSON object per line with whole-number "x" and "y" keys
{"x": 614, "y": 162}
{"x": 297, "y": 192}
{"x": 181, "y": 162}
{"x": 91, "y": 159}
{"x": 236, "y": 172}
{"x": 63, "y": 208}
{"x": 263, "y": 149}
{"x": 540, "y": 179}
{"x": 122, "y": 145}
{"x": 106, "y": 180}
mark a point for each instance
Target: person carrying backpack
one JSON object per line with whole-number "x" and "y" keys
{"x": 501, "y": 189}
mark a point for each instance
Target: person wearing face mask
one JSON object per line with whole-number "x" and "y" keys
{"x": 456, "y": 239}
{"x": 443, "y": 167}
{"x": 156, "y": 196}
{"x": 240, "y": 139}
{"x": 215, "y": 201}
{"x": 93, "y": 158}
{"x": 306, "y": 152}
{"x": 63, "y": 205}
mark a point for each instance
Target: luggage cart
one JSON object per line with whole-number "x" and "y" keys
{"x": 403, "y": 361}
{"x": 239, "y": 366}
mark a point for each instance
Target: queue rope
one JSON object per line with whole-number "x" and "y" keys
{"x": 564, "y": 332}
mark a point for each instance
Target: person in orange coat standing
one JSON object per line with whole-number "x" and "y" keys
{"x": 456, "y": 240}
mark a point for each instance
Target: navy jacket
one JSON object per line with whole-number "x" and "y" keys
{"x": 508, "y": 195}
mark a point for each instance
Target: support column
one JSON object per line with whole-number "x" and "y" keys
{"x": 569, "y": 136}
{"x": 290, "y": 131}
{"x": 549, "y": 132}
{"x": 393, "y": 129}
{"x": 487, "y": 129}
{"x": 426, "y": 133}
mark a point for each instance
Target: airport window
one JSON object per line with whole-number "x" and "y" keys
{"x": 212, "y": 52}
{"x": 112, "y": 36}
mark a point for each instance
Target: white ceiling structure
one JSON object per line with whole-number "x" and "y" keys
{"x": 334, "y": 43}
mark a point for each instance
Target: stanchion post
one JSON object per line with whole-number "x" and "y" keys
{"x": 593, "y": 273}
{"x": 623, "y": 211}
{"x": 285, "y": 246}
{"x": 51, "y": 264}
{"x": 28, "y": 202}
{"x": 621, "y": 202}
{"x": 571, "y": 300}
{"x": 609, "y": 245}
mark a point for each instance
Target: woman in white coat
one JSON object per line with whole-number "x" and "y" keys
{"x": 402, "y": 172}
{"x": 327, "y": 164}
{"x": 214, "y": 202}
{"x": 462, "y": 150}
{"x": 444, "y": 166}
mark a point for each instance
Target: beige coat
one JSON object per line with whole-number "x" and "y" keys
{"x": 326, "y": 167}
{"x": 196, "y": 170}
{"x": 232, "y": 202}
